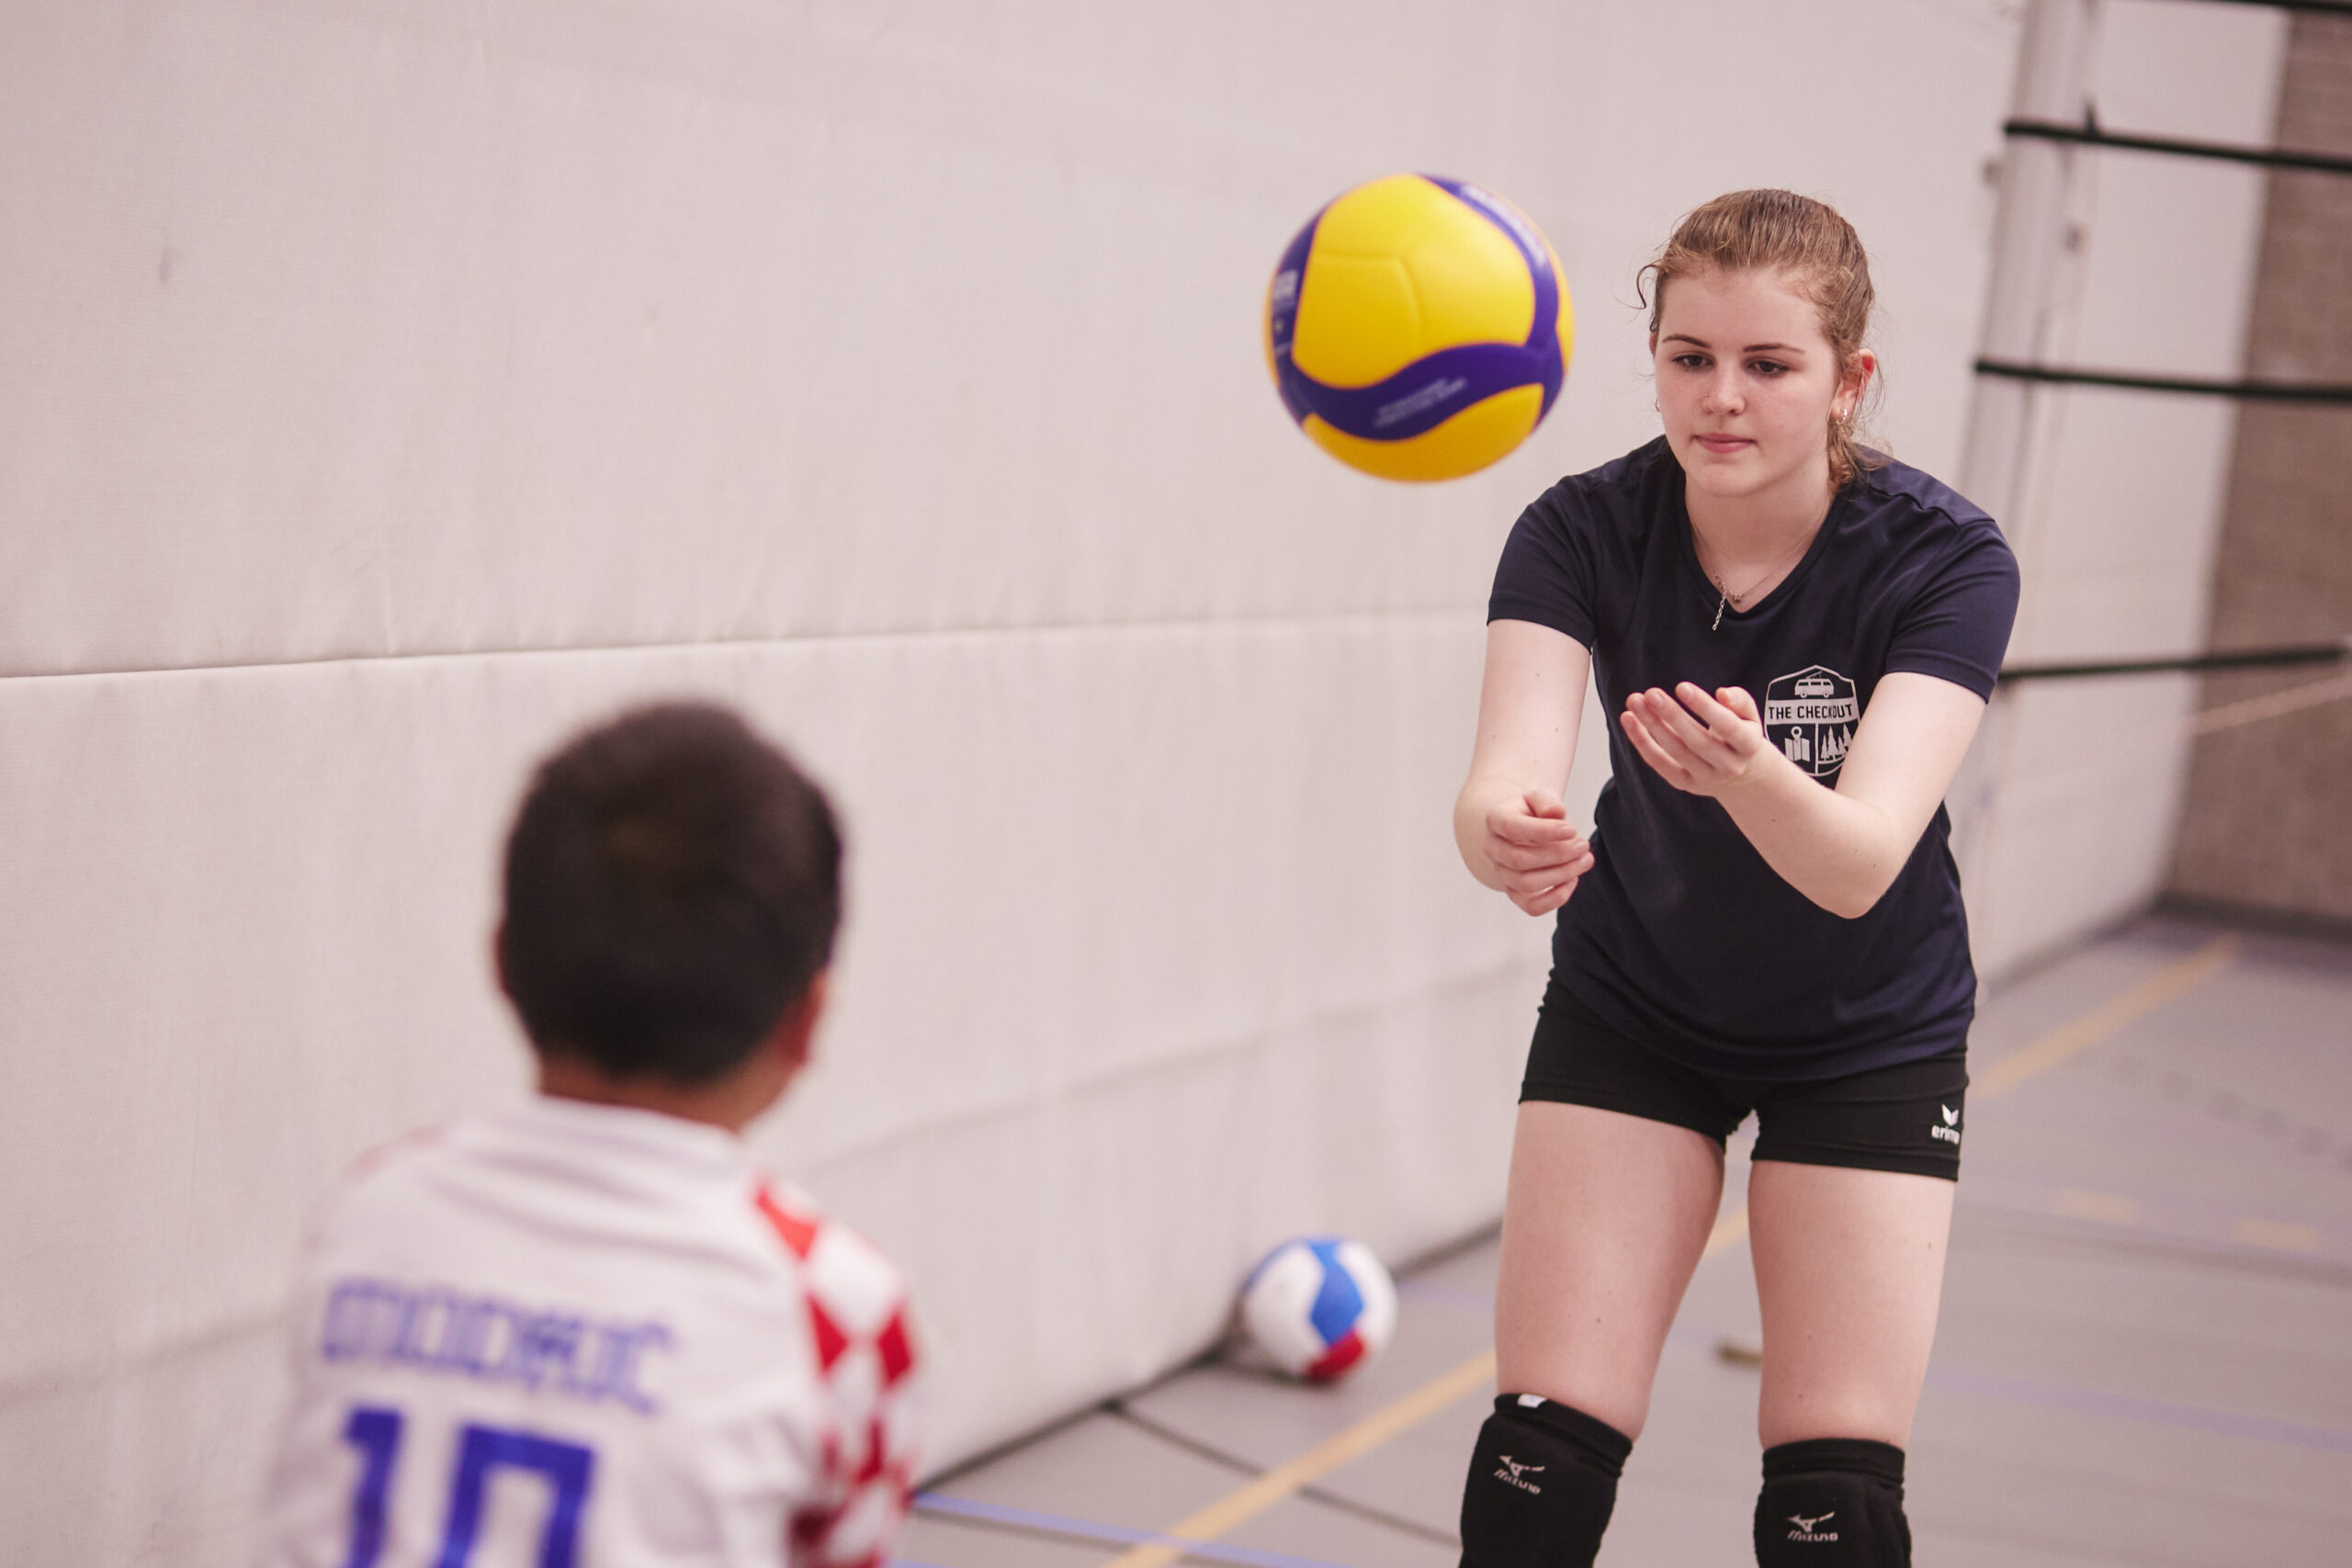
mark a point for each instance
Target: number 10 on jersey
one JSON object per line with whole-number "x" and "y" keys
{"x": 567, "y": 1467}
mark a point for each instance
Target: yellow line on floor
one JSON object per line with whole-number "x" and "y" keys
{"x": 2105, "y": 1207}
{"x": 1729, "y": 1230}
{"x": 1238, "y": 1508}
{"x": 1476, "y": 1375}
{"x": 2060, "y": 1045}
{"x": 2284, "y": 1235}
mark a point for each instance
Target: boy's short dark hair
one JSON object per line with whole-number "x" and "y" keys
{"x": 673, "y": 884}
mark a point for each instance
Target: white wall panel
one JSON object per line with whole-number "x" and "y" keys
{"x": 1158, "y": 952}
{"x": 2130, "y": 494}
{"x": 152, "y": 1459}
{"x": 369, "y": 328}
{"x": 2065, "y": 814}
{"x": 387, "y": 386}
{"x": 2079, "y": 834}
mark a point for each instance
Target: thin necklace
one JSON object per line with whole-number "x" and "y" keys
{"x": 1724, "y": 595}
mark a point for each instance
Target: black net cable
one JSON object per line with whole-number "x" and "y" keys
{"x": 2090, "y": 133}
{"x": 2194, "y": 663}
{"x": 2238, "y": 715}
{"x": 2317, "y": 7}
{"x": 2327, "y": 689}
{"x": 2198, "y": 386}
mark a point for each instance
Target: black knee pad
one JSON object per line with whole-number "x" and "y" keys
{"x": 1543, "y": 1479}
{"x": 1832, "y": 1503}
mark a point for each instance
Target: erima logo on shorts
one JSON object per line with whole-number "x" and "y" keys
{"x": 1810, "y": 1530}
{"x": 1512, "y": 1471}
{"x": 1950, "y": 1131}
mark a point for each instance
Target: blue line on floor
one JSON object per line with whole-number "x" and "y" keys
{"x": 2124, "y": 1407}
{"x": 1992, "y": 1385}
{"x": 2092, "y": 1402}
{"x": 1088, "y": 1529}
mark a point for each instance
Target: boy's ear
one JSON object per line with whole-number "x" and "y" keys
{"x": 795, "y": 1035}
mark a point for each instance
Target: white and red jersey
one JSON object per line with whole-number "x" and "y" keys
{"x": 577, "y": 1336}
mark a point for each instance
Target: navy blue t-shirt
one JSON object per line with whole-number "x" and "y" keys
{"x": 1681, "y": 936}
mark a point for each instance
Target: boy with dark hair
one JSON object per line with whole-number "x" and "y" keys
{"x": 587, "y": 1331}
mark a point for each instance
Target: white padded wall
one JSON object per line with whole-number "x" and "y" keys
{"x": 2069, "y": 806}
{"x": 387, "y": 388}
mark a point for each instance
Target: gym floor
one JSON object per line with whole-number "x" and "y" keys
{"x": 2146, "y": 1353}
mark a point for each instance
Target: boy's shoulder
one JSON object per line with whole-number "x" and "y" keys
{"x": 638, "y": 1283}
{"x": 584, "y": 1179}
{"x": 377, "y": 1176}
{"x": 813, "y": 1238}
{"x": 856, "y": 1295}
{"x": 592, "y": 1215}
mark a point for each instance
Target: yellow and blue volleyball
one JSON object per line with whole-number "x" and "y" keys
{"x": 1418, "y": 327}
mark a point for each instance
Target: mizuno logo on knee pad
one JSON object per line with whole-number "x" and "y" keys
{"x": 1832, "y": 1500}
{"x": 1810, "y": 1530}
{"x": 1540, "y": 1485}
{"x": 1512, "y": 1472}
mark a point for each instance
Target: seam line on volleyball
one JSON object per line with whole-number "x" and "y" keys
{"x": 1437, "y": 386}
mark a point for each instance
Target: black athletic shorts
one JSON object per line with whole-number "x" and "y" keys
{"x": 1904, "y": 1118}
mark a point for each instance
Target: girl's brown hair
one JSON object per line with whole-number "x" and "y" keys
{"x": 1778, "y": 230}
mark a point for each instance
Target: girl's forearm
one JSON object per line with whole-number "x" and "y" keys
{"x": 1841, "y": 852}
{"x": 1481, "y": 794}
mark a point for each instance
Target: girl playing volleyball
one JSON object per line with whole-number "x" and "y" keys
{"x": 1796, "y": 638}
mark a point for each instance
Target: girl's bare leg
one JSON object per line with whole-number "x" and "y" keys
{"x": 1605, "y": 1220}
{"x": 1849, "y": 1269}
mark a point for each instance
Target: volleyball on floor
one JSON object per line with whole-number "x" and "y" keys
{"x": 1419, "y": 328}
{"x": 1320, "y": 1305}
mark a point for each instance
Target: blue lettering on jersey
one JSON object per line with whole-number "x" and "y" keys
{"x": 432, "y": 1329}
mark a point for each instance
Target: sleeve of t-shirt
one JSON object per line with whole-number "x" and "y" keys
{"x": 1545, "y": 574}
{"x": 1957, "y": 627}
{"x": 867, "y": 1354}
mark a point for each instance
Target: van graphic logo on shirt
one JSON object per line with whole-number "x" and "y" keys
{"x": 1810, "y": 715}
